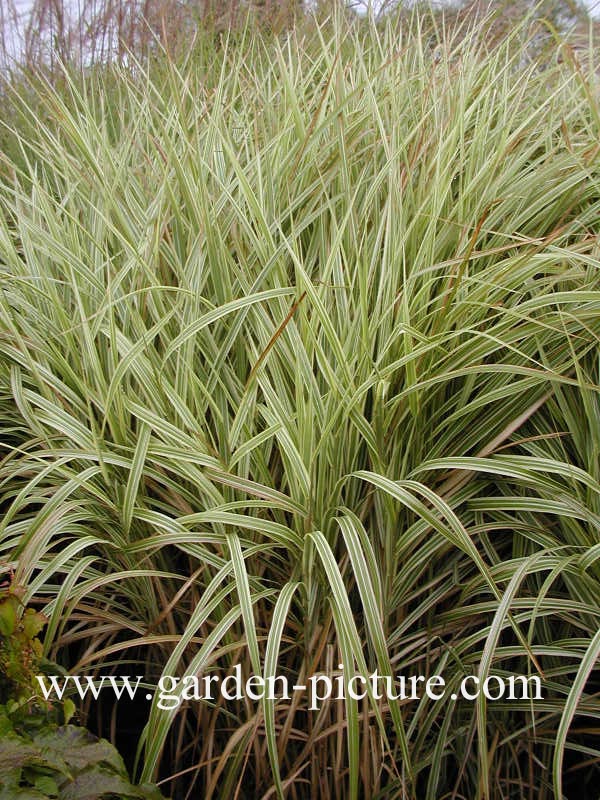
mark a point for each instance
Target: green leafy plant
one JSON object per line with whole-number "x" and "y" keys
{"x": 20, "y": 647}
{"x": 41, "y": 755}
{"x": 39, "y": 761}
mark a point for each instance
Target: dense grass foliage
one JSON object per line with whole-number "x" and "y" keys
{"x": 298, "y": 366}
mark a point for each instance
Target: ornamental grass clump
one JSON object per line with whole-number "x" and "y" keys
{"x": 299, "y": 368}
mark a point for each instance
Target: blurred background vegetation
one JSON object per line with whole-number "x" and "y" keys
{"x": 39, "y": 33}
